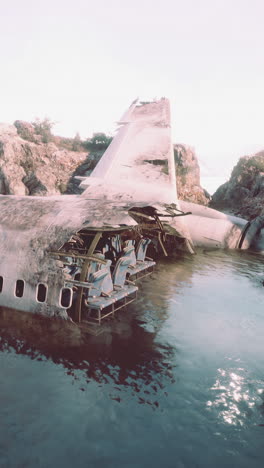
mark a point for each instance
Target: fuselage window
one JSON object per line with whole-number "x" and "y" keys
{"x": 66, "y": 298}
{"x": 1, "y": 283}
{"x": 42, "y": 292}
{"x": 19, "y": 291}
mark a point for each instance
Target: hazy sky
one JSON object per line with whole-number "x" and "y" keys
{"x": 82, "y": 62}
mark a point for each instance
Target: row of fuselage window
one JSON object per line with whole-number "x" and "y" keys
{"x": 41, "y": 293}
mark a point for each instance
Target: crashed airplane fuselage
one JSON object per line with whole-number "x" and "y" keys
{"x": 70, "y": 256}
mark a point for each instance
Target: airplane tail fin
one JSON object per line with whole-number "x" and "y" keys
{"x": 140, "y": 159}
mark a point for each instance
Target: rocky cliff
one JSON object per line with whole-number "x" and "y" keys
{"x": 188, "y": 176}
{"x": 29, "y": 166}
{"x": 244, "y": 192}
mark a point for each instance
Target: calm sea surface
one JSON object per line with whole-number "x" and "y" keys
{"x": 179, "y": 384}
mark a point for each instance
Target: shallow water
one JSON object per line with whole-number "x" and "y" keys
{"x": 180, "y": 385}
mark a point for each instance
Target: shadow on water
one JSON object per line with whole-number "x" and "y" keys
{"x": 128, "y": 342}
{"x": 127, "y": 356}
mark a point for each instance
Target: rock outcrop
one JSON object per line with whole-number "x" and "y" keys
{"x": 244, "y": 192}
{"x": 26, "y": 131}
{"x": 188, "y": 176}
{"x": 30, "y": 167}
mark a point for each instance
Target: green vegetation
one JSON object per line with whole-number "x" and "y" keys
{"x": 25, "y": 130}
{"x": 256, "y": 162}
{"x": 41, "y": 131}
{"x": 43, "y": 128}
{"x": 98, "y": 142}
{"x": 76, "y": 143}
{"x": 182, "y": 169}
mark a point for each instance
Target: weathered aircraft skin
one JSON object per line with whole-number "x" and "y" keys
{"x": 132, "y": 186}
{"x": 211, "y": 228}
{"x": 140, "y": 163}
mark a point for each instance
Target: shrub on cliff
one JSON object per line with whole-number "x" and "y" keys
{"x": 43, "y": 128}
{"x": 256, "y": 162}
{"x": 76, "y": 143}
{"x": 25, "y": 130}
{"x": 98, "y": 142}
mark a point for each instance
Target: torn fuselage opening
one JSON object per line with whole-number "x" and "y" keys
{"x": 84, "y": 256}
{"x": 156, "y": 224}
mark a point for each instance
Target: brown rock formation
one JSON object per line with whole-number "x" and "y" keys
{"x": 244, "y": 192}
{"x": 32, "y": 167}
{"x": 188, "y": 176}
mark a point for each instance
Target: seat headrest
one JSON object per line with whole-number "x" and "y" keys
{"x": 124, "y": 261}
{"x": 128, "y": 249}
{"x": 98, "y": 275}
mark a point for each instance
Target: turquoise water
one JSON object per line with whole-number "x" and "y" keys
{"x": 179, "y": 383}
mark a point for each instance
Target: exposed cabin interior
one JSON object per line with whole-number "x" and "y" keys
{"x": 101, "y": 267}
{"x": 71, "y": 265}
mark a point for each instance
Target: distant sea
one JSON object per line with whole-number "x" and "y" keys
{"x": 211, "y": 183}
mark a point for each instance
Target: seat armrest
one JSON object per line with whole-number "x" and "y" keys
{"x": 93, "y": 287}
{"x": 130, "y": 282}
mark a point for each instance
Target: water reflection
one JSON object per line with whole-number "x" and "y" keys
{"x": 128, "y": 358}
{"x": 242, "y": 263}
{"x": 136, "y": 365}
{"x": 233, "y": 396}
